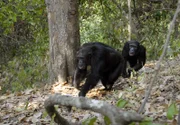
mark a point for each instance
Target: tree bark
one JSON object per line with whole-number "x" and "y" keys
{"x": 64, "y": 38}
{"x": 130, "y": 20}
{"x": 115, "y": 114}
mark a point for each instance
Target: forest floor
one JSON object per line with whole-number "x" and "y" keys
{"x": 27, "y": 107}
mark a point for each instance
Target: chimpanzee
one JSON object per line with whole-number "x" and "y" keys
{"x": 135, "y": 54}
{"x": 106, "y": 65}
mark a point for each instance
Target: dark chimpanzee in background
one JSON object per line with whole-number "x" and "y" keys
{"x": 135, "y": 55}
{"x": 106, "y": 65}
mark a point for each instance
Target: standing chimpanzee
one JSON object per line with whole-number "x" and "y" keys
{"x": 106, "y": 65}
{"x": 135, "y": 54}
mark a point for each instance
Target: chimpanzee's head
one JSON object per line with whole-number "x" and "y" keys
{"x": 83, "y": 58}
{"x": 133, "y": 47}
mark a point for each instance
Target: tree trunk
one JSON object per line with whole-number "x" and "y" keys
{"x": 130, "y": 20}
{"x": 64, "y": 38}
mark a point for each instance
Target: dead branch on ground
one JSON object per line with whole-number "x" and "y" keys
{"x": 115, "y": 114}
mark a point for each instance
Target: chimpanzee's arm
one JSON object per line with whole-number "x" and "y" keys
{"x": 125, "y": 54}
{"x": 141, "y": 58}
{"x": 93, "y": 77}
{"x": 119, "y": 70}
{"x": 79, "y": 75}
{"x": 125, "y": 71}
{"x": 139, "y": 65}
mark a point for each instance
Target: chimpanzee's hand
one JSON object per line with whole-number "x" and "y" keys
{"x": 129, "y": 72}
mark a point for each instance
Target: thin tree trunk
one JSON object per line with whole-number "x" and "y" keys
{"x": 64, "y": 38}
{"x": 130, "y": 20}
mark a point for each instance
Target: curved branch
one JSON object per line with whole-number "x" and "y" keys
{"x": 115, "y": 114}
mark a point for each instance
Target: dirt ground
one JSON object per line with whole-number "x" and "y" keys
{"x": 27, "y": 107}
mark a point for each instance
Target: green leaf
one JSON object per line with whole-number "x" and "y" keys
{"x": 52, "y": 121}
{"x": 45, "y": 114}
{"x": 107, "y": 120}
{"x": 121, "y": 103}
{"x": 133, "y": 123}
{"x": 90, "y": 121}
{"x": 148, "y": 123}
{"x": 172, "y": 110}
{"x": 26, "y": 106}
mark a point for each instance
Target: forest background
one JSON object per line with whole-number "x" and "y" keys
{"x": 24, "y": 40}
{"x": 24, "y": 37}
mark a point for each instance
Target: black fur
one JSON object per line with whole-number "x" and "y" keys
{"x": 106, "y": 65}
{"x": 135, "y": 54}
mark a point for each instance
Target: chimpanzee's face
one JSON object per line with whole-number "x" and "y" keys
{"x": 82, "y": 63}
{"x": 133, "y": 48}
{"x": 83, "y": 58}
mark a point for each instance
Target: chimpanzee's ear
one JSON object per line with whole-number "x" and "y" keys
{"x": 138, "y": 47}
{"x": 126, "y": 45}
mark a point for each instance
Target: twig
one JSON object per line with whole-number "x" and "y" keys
{"x": 158, "y": 65}
{"x": 179, "y": 116}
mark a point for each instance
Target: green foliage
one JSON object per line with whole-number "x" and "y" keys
{"x": 146, "y": 121}
{"x": 23, "y": 43}
{"x": 174, "y": 49}
{"x": 172, "y": 111}
{"x": 90, "y": 25}
{"x": 28, "y": 69}
{"x": 107, "y": 120}
{"x": 52, "y": 119}
{"x": 26, "y": 106}
{"x": 24, "y": 33}
{"x": 97, "y": 23}
{"x": 15, "y": 11}
{"x": 121, "y": 103}
{"x": 89, "y": 121}
{"x": 107, "y": 22}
